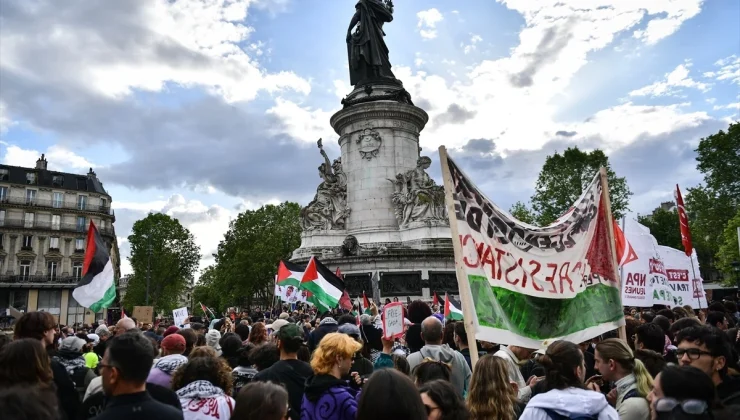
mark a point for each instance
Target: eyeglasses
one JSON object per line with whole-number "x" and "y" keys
{"x": 692, "y": 353}
{"x": 430, "y": 409}
{"x": 696, "y": 407}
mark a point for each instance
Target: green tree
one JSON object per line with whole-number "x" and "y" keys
{"x": 162, "y": 246}
{"x": 248, "y": 256}
{"x": 663, "y": 224}
{"x": 205, "y": 291}
{"x": 520, "y": 211}
{"x": 564, "y": 177}
{"x": 718, "y": 158}
{"x": 728, "y": 250}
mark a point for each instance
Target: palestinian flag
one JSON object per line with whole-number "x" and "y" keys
{"x": 325, "y": 287}
{"x": 289, "y": 274}
{"x": 435, "y": 300}
{"x": 365, "y": 303}
{"x": 453, "y": 309}
{"x": 96, "y": 289}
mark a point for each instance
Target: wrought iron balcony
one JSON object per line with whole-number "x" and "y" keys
{"x": 20, "y": 280}
{"x": 50, "y": 226}
{"x": 56, "y": 204}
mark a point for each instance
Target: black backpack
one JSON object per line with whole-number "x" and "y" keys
{"x": 554, "y": 415}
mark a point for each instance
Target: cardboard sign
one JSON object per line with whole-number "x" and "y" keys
{"x": 393, "y": 326}
{"x": 180, "y": 315}
{"x": 143, "y": 314}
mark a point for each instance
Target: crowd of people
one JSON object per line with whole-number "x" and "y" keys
{"x": 676, "y": 364}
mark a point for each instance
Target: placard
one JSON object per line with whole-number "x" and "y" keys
{"x": 393, "y": 320}
{"x": 180, "y": 315}
{"x": 143, "y": 314}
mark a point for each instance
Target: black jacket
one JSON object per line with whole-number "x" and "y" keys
{"x": 729, "y": 391}
{"x": 69, "y": 399}
{"x": 97, "y": 403}
{"x": 327, "y": 327}
{"x": 138, "y": 406}
{"x": 372, "y": 337}
{"x": 292, "y": 374}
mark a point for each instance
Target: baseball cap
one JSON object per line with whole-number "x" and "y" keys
{"x": 349, "y": 329}
{"x": 174, "y": 342}
{"x": 72, "y": 343}
{"x": 277, "y": 325}
{"x": 288, "y": 332}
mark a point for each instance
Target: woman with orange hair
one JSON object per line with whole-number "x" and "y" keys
{"x": 327, "y": 397}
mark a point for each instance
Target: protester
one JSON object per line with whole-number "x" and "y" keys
{"x": 289, "y": 371}
{"x": 172, "y": 348}
{"x": 190, "y": 340}
{"x": 70, "y": 356}
{"x": 242, "y": 330}
{"x": 264, "y": 356}
{"x": 88, "y": 353}
{"x": 650, "y": 337}
{"x": 461, "y": 342}
{"x": 717, "y": 319}
{"x": 245, "y": 371}
{"x": 262, "y": 401}
{"x": 24, "y": 362}
{"x": 327, "y": 396}
{"x": 683, "y": 392}
{"x": 491, "y": 395}
{"x": 40, "y": 326}
{"x": 565, "y": 393}
{"x": 390, "y": 395}
{"x": 360, "y": 365}
{"x": 432, "y": 334}
{"x": 212, "y": 340}
{"x": 230, "y": 346}
{"x": 513, "y": 356}
{"x": 417, "y": 311}
{"x": 258, "y": 334}
{"x": 124, "y": 368}
{"x": 203, "y": 351}
{"x": 125, "y": 324}
{"x": 204, "y": 387}
{"x": 654, "y": 362}
{"x": 431, "y": 370}
{"x": 327, "y": 325}
{"x": 708, "y": 349}
{"x": 29, "y": 402}
{"x": 616, "y": 363}
{"x": 442, "y": 402}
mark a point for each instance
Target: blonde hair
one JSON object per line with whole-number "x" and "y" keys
{"x": 332, "y": 346}
{"x": 617, "y": 350}
{"x": 491, "y": 396}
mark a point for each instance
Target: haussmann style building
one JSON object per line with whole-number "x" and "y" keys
{"x": 44, "y": 217}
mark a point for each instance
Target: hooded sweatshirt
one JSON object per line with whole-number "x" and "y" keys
{"x": 161, "y": 372}
{"x": 328, "y": 398}
{"x": 569, "y": 402}
{"x": 212, "y": 339}
{"x": 292, "y": 374}
{"x": 326, "y": 326}
{"x": 74, "y": 364}
{"x": 461, "y": 374}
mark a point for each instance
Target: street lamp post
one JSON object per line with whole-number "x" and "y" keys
{"x": 736, "y": 268}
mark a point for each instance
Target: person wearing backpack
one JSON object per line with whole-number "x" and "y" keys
{"x": 566, "y": 396}
{"x": 632, "y": 382}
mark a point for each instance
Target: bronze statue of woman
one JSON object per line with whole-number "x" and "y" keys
{"x": 366, "y": 49}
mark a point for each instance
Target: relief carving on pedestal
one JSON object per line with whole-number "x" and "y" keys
{"x": 416, "y": 197}
{"x": 328, "y": 210}
{"x": 370, "y": 142}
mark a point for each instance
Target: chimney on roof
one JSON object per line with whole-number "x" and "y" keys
{"x": 41, "y": 162}
{"x": 91, "y": 174}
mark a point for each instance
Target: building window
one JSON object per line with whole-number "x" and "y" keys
{"x": 18, "y": 299}
{"x": 3, "y": 174}
{"x": 31, "y": 178}
{"x": 101, "y": 225}
{"x": 2, "y": 217}
{"x": 58, "y": 200}
{"x": 3, "y": 194}
{"x": 27, "y": 240}
{"x": 79, "y": 244}
{"x": 54, "y": 243}
{"x": 75, "y": 312}
{"x": 28, "y": 220}
{"x": 57, "y": 180}
{"x": 50, "y": 301}
{"x": 81, "y": 202}
{"x": 56, "y": 221}
{"x": 80, "y": 223}
{"x": 25, "y": 269}
{"x": 77, "y": 270}
{"x": 103, "y": 204}
{"x": 1, "y": 241}
{"x": 51, "y": 269}
{"x": 31, "y": 197}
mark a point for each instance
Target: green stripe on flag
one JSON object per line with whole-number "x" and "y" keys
{"x": 320, "y": 297}
{"x": 542, "y": 318}
{"x": 106, "y": 300}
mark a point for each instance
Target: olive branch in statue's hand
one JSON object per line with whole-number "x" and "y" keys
{"x": 389, "y": 5}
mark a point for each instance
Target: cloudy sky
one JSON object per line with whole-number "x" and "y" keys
{"x": 203, "y": 108}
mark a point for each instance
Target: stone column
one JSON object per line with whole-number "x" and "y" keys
{"x": 40, "y": 260}
{"x": 11, "y": 255}
{"x": 378, "y": 141}
{"x": 66, "y": 261}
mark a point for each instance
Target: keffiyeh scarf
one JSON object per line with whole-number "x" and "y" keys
{"x": 168, "y": 364}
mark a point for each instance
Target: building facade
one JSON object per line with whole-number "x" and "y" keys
{"x": 44, "y": 217}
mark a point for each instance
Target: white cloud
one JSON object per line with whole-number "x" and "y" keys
{"x": 427, "y": 22}
{"x": 474, "y": 39}
{"x": 729, "y": 69}
{"x": 59, "y": 158}
{"x": 734, "y": 106}
{"x": 186, "y": 42}
{"x": 418, "y": 61}
{"x": 303, "y": 123}
{"x": 341, "y": 88}
{"x": 673, "y": 14}
{"x": 672, "y": 84}
{"x": 5, "y": 121}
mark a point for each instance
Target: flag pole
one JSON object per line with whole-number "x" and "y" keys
{"x": 606, "y": 201}
{"x": 693, "y": 273}
{"x": 466, "y": 297}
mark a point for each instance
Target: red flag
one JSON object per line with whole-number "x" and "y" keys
{"x": 625, "y": 253}
{"x": 683, "y": 220}
{"x": 339, "y": 273}
{"x": 435, "y": 300}
{"x": 345, "y": 302}
{"x": 365, "y": 301}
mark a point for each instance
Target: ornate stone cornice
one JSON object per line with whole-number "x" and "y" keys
{"x": 398, "y": 112}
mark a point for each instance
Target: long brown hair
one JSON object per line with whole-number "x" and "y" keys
{"x": 25, "y": 362}
{"x": 491, "y": 396}
{"x": 560, "y": 362}
{"x": 258, "y": 334}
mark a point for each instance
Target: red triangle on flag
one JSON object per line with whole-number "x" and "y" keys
{"x": 311, "y": 274}
{"x": 345, "y": 302}
{"x": 447, "y": 305}
{"x": 365, "y": 301}
{"x": 435, "y": 300}
{"x": 625, "y": 253}
{"x": 283, "y": 272}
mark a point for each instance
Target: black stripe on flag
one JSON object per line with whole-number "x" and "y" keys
{"x": 96, "y": 256}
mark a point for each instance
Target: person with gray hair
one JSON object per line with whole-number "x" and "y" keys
{"x": 124, "y": 324}
{"x": 432, "y": 333}
{"x": 103, "y": 336}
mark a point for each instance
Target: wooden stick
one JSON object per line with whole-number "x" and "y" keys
{"x": 607, "y": 202}
{"x": 466, "y": 296}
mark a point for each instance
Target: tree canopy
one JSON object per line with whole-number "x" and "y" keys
{"x": 161, "y": 243}
{"x": 520, "y": 211}
{"x": 564, "y": 177}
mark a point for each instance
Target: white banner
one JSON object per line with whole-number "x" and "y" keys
{"x": 685, "y": 282}
{"x": 290, "y": 294}
{"x": 644, "y": 281}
